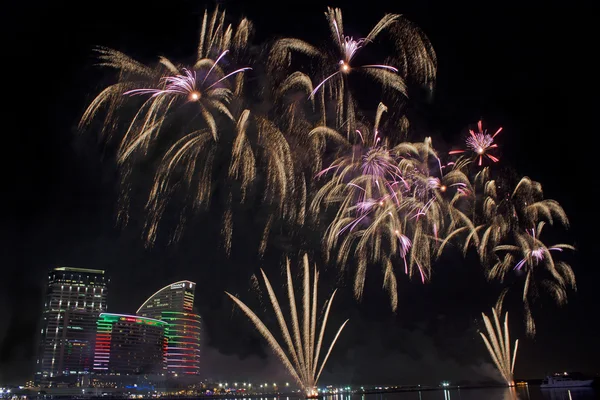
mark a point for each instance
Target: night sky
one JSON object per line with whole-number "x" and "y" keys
{"x": 522, "y": 65}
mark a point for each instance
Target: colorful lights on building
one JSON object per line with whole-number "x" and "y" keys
{"x": 174, "y": 305}
{"x": 79, "y": 337}
{"x": 183, "y": 342}
{"x": 178, "y": 296}
{"x": 129, "y": 344}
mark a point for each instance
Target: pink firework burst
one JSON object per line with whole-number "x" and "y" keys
{"x": 481, "y": 143}
{"x": 374, "y": 177}
{"x": 348, "y": 47}
{"x": 537, "y": 252}
{"x": 184, "y": 84}
{"x": 187, "y": 84}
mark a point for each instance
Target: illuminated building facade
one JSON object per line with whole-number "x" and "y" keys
{"x": 183, "y": 342}
{"x": 129, "y": 345}
{"x": 74, "y": 299}
{"x": 174, "y": 304}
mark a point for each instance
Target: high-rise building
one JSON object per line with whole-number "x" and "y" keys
{"x": 129, "y": 345}
{"x": 174, "y": 304}
{"x": 74, "y": 299}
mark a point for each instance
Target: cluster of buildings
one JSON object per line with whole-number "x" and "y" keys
{"x": 84, "y": 344}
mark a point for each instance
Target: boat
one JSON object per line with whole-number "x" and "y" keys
{"x": 566, "y": 380}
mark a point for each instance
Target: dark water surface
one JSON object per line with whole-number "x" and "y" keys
{"x": 527, "y": 393}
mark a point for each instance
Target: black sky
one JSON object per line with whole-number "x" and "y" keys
{"x": 522, "y": 65}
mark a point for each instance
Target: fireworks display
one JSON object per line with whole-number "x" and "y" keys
{"x": 391, "y": 203}
{"x": 187, "y": 115}
{"x": 481, "y": 143}
{"x": 336, "y": 63}
{"x": 498, "y": 344}
{"x": 293, "y": 143}
{"x": 533, "y": 258}
{"x": 302, "y": 337}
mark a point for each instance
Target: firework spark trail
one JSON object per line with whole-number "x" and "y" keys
{"x": 215, "y": 38}
{"x": 185, "y": 84}
{"x": 389, "y": 205}
{"x": 349, "y": 48}
{"x": 185, "y": 108}
{"x": 414, "y": 55}
{"x": 536, "y": 259}
{"x": 430, "y": 202}
{"x": 480, "y": 143}
{"x": 496, "y": 213}
{"x": 504, "y": 226}
{"x": 498, "y": 344}
{"x": 530, "y": 207}
{"x": 303, "y": 348}
{"x": 207, "y": 94}
{"x": 536, "y": 253}
{"x": 336, "y": 63}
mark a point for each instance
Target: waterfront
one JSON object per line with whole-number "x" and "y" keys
{"x": 527, "y": 393}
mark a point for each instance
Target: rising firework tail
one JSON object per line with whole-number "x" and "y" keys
{"x": 497, "y": 342}
{"x": 300, "y": 351}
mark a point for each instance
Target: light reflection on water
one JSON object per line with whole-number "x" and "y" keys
{"x": 526, "y": 393}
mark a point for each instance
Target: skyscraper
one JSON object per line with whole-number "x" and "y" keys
{"x": 74, "y": 299}
{"x": 129, "y": 345}
{"x": 174, "y": 304}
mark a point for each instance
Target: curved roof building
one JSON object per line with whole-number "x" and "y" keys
{"x": 174, "y": 304}
{"x": 178, "y": 296}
